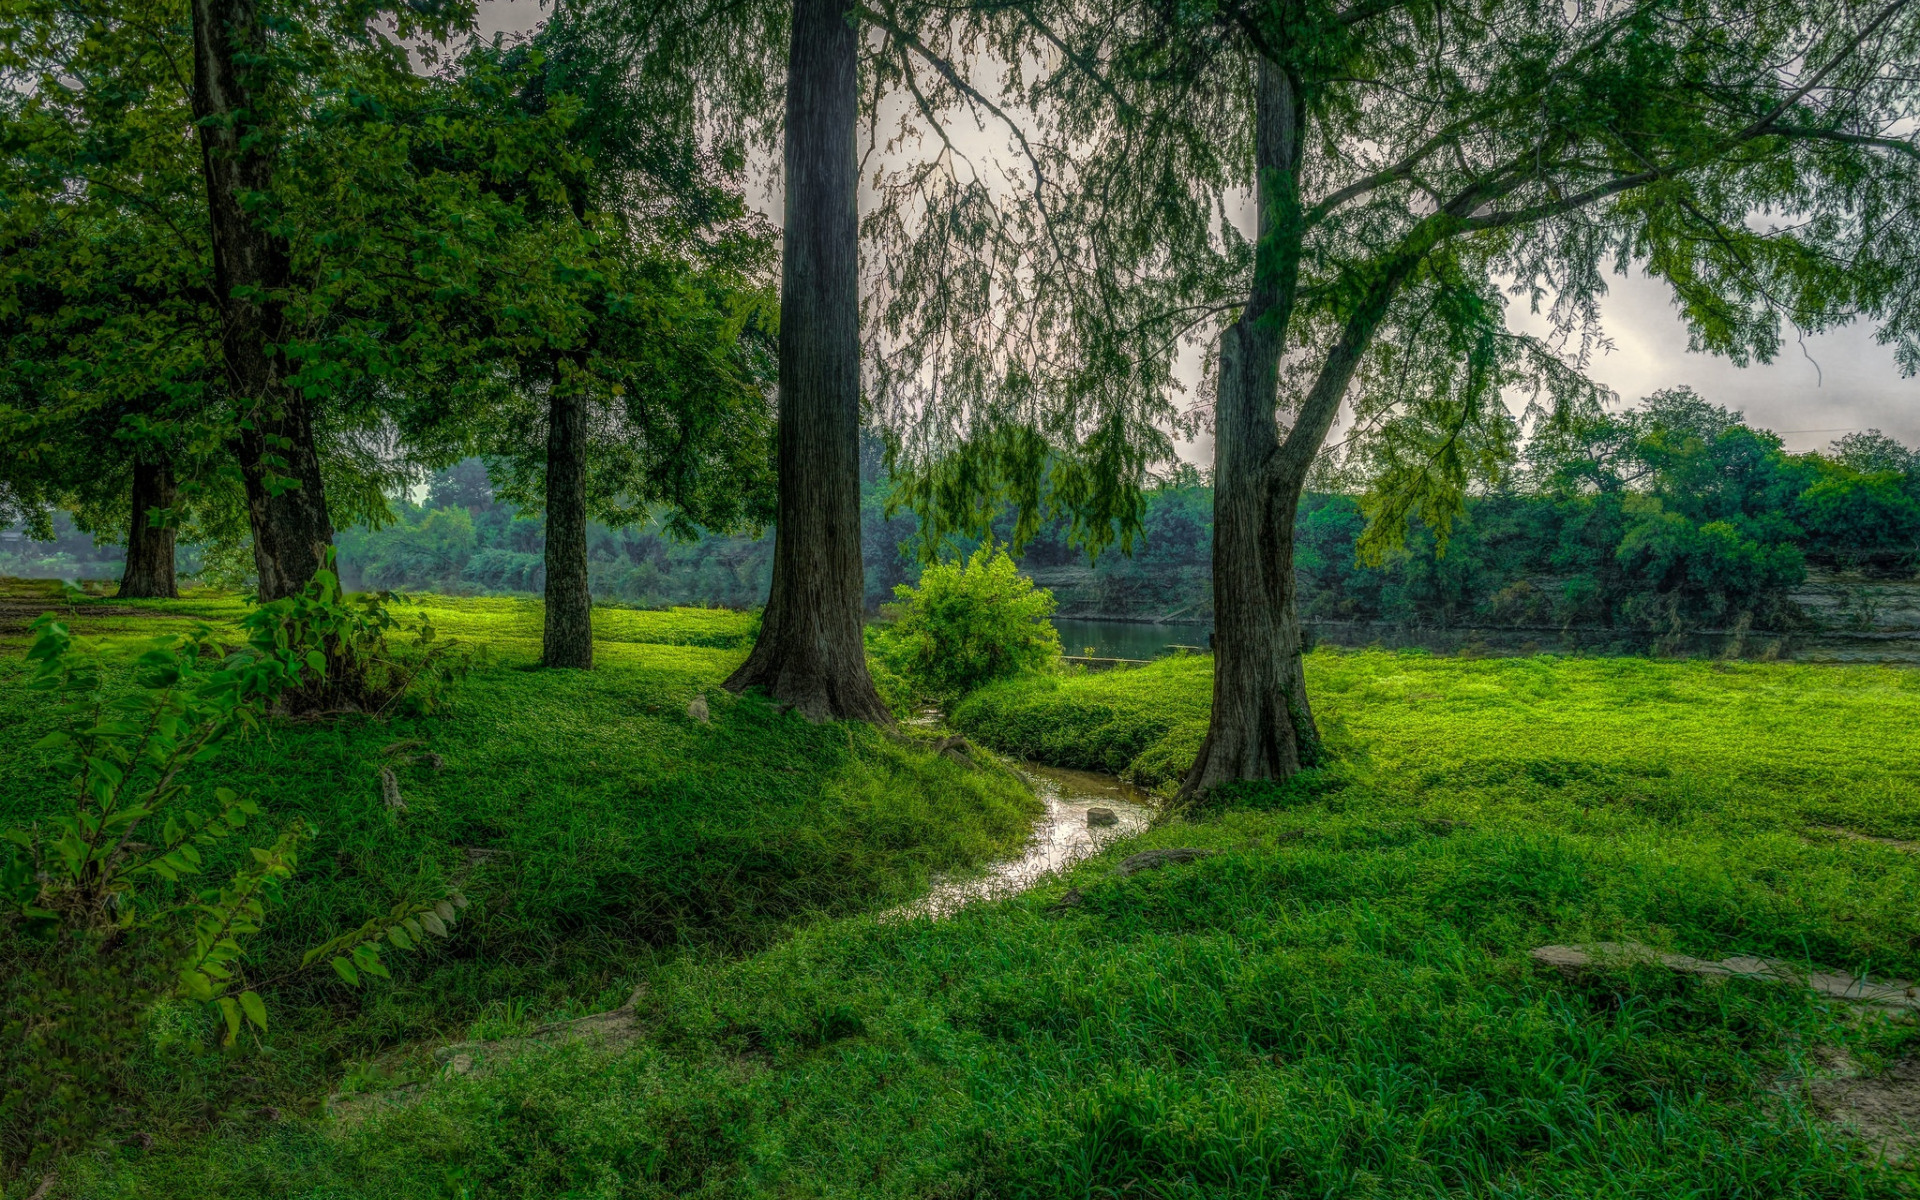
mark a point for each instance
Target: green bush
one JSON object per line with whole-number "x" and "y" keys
{"x": 354, "y": 666}
{"x": 93, "y": 924}
{"x": 968, "y": 624}
{"x": 101, "y": 920}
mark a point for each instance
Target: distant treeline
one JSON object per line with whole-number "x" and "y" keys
{"x": 1675, "y": 516}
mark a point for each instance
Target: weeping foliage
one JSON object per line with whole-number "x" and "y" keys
{"x": 1457, "y": 159}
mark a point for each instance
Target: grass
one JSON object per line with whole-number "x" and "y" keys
{"x": 595, "y": 825}
{"x": 1145, "y": 725}
{"x": 1337, "y": 1002}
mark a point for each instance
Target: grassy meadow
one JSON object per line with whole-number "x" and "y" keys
{"x": 1337, "y": 1001}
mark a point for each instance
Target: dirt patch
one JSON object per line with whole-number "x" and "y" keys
{"x": 1839, "y": 831}
{"x": 1880, "y": 993}
{"x": 607, "y": 1031}
{"x": 1882, "y": 1110}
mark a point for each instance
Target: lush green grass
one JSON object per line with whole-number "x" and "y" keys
{"x": 1144, "y": 724}
{"x": 595, "y": 826}
{"x": 1338, "y": 1002}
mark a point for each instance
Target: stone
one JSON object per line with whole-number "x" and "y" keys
{"x": 697, "y": 709}
{"x": 1072, "y": 899}
{"x": 390, "y": 790}
{"x": 1101, "y": 816}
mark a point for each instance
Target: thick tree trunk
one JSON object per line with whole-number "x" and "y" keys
{"x": 568, "y": 639}
{"x": 149, "y": 572}
{"x": 810, "y": 653}
{"x": 1262, "y": 726}
{"x": 279, "y": 462}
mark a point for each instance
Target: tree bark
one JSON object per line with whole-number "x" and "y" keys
{"x": 149, "y": 573}
{"x": 1262, "y": 726}
{"x": 568, "y": 637}
{"x": 810, "y": 653}
{"x": 279, "y": 460}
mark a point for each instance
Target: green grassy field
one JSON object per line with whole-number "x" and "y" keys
{"x": 1337, "y": 1002}
{"x": 596, "y": 827}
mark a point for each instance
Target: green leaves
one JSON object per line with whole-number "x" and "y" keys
{"x": 405, "y": 927}
{"x": 967, "y": 624}
{"x": 248, "y": 1005}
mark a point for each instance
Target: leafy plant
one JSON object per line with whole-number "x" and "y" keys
{"x": 967, "y": 624}
{"x": 343, "y": 638}
{"x": 99, "y": 916}
{"x": 405, "y": 926}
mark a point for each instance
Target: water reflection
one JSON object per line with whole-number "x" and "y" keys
{"x": 1127, "y": 639}
{"x": 1060, "y": 837}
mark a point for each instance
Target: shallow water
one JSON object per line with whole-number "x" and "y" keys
{"x": 1126, "y": 639}
{"x": 1061, "y": 837}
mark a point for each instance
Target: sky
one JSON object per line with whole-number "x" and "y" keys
{"x": 1813, "y": 392}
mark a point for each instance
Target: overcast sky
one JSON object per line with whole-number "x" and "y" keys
{"x": 1837, "y": 383}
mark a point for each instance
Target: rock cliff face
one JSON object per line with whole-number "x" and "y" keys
{"x": 1859, "y": 618}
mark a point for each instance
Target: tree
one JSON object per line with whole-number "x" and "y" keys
{"x": 105, "y": 312}
{"x": 252, "y": 267}
{"x": 580, "y": 290}
{"x": 162, "y": 309}
{"x": 809, "y": 653}
{"x": 1408, "y": 162}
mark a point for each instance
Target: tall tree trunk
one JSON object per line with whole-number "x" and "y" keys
{"x": 810, "y": 653}
{"x": 149, "y": 571}
{"x": 279, "y": 463}
{"x": 568, "y": 639}
{"x": 1262, "y": 726}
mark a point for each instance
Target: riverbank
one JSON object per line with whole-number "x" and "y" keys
{"x": 1328, "y": 990}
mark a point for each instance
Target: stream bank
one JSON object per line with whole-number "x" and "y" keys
{"x": 1062, "y": 836}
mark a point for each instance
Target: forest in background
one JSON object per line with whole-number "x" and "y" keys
{"x": 1675, "y": 516}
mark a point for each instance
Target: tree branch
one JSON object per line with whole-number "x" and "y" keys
{"x": 1851, "y": 139}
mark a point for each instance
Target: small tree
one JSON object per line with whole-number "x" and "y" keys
{"x": 967, "y": 624}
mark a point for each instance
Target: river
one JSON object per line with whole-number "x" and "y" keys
{"x": 1126, "y": 639}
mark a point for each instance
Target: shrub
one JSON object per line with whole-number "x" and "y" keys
{"x": 968, "y": 624}
{"x": 345, "y": 638}
{"x": 94, "y": 925}
{"x": 100, "y": 920}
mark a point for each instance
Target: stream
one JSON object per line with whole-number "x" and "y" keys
{"x": 1061, "y": 836}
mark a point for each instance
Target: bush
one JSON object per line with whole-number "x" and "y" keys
{"x": 93, "y": 925}
{"x": 101, "y": 920}
{"x": 343, "y": 638}
{"x": 968, "y": 624}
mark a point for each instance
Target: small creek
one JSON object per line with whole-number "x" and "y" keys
{"x": 1061, "y": 837}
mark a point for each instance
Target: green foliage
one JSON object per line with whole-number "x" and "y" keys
{"x": 1339, "y": 1001}
{"x": 341, "y": 640}
{"x": 967, "y": 624}
{"x": 93, "y": 918}
{"x": 1425, "y": 168}
{"x": 596, "y": 829}
{"x": 1143, "y": 725}
{"x": 404, "y": 926}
